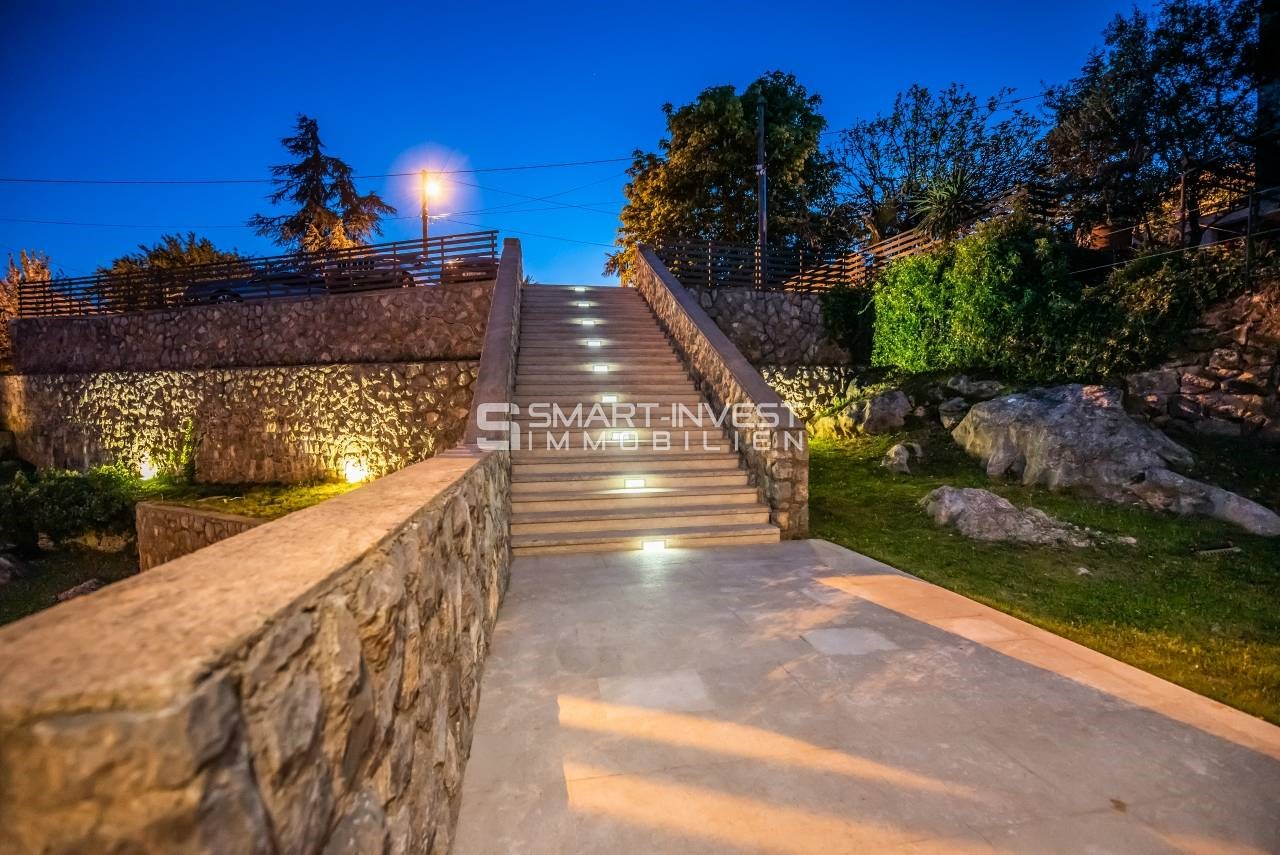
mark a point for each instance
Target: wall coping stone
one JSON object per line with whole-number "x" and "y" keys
{"x": 147, "y": 641}
{"x": 746, "y": 376}
{"x": 495, "y": 383}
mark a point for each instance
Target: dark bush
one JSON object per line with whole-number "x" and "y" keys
{"x": 62, "y": 505}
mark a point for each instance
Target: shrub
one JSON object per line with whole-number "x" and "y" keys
{"x": 849, "y": 316}
{"x": 1002, "y": 300}
{"x": 992, "y": 300}
{"x": 63, "y": 505}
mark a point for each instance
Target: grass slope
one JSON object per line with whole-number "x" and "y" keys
{"x": 1210, "y": 623}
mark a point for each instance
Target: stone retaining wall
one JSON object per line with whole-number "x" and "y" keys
{"x": 772, "y": 327}
{"x": 1224, "y": 382}
{"x": 810, "y": 389}
{"x": 307, "y": 686}
{"x": 400, "y": 325}
{"x": 166, "y": 532}
{"x": 285, "y": 424}
{"x": 778, "y": 466}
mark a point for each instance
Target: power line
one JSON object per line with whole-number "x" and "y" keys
{"x": 201, "y": 181}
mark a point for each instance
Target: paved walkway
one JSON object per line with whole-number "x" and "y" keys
{"x": 800, "y": 698}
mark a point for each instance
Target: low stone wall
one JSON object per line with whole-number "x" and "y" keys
{"x": 772, "y": 327}
{"x": 777, "y": 454}
{"x": 810, "y": 389}
{"x": 400, "y": 325}
{"x": 250, "y": 425}
{"x": 1225, "y": 381}
{"x": 307, "y": 686}
{"x": 166, "y": 532}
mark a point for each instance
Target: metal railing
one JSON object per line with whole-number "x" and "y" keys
{"x": 399, "y": 264}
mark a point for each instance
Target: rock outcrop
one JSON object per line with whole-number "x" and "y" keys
{"x": 882, "y": 413}
{"x": 1080, "y": 437}
{"x": 982, "y": 515}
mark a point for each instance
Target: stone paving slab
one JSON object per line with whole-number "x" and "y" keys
{"x": 799, "y": 697}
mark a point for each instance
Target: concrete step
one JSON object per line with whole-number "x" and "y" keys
{"x": 535, "y": 464}
{"x": 636, "y": 519}
{"x": 569, "y": 401}
{"x": 584, "y": 360}
{"x": 545, "y": 390}
{"x": 684, "y": 537}
{"x": 648, "y": 499}
{"x": 575, "y": 482}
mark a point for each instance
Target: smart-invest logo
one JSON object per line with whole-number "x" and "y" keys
{"x": 637, "y": 426}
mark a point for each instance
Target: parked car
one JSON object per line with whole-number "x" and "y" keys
{"x": 469, "y": 268}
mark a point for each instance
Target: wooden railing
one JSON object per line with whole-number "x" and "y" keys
{"x": 711, "y": 264}
{"x": 398, "y": 264}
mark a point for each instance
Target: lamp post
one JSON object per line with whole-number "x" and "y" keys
{"x": 426, "y": 219}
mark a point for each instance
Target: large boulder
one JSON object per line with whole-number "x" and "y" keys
{"x": 882, "y": 413}
{"x": 982, "y": 515}
{"x": 1080, "y": 437}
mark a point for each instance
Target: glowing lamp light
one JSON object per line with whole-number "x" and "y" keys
{"x": 600, "y": 368}
{"x": 582, "y": 304}
{"x": 608, "y": 399}
{"x": 355, "y": 470}
{"x": 579, "y": 289}
{"x": 633, "y": 483}
{"x": 588, "y": 323}
{"x": 593, "y": 342}
{"x": 431, "y": 187}
{"x": 653, "y": 545}
{"x": 147, "y": 469}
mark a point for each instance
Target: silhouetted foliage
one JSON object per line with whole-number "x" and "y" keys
{"x": 330, "y": 213}
{"x": 171, "y": 252}
{"x": 890, "y": 164}
{"x": 1166, "y": 93}
{"x": 701, "y": 184}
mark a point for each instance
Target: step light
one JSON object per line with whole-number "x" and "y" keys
{"x": 624, "y": 435}
{"x": 600, "y": 368}
{"x": 593, "y": 342}
{"x": 653, "y": 545}
{"x": 579, "y": 289}
{"x": 582, "y": 304}
{"x": 633, "y": 483}
{"x": 588, "y": 322}
{"x": 608, "y": 399}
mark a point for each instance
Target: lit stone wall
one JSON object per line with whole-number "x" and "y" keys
{"x": 307, "y": 686}
{"x": 166, "y": 532}
{"x": 810, "y": 390}
{"x": 249, "y": 424}
{"x": 773, "y": 327}
{"x": 400, "y": 325}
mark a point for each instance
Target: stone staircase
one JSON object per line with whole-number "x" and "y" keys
{"x": 583, "y": 345}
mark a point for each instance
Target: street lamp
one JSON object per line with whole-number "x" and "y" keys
{"x": 430, "y": 187}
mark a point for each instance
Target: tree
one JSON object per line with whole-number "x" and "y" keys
{"x": 31, "y": 268}
{"x": 889, "y": 163}
{"x": 1162, "y": 99}
{"x": 153, "y": 276}
{"x": 169, "y": 253}
{"x": 701, "y": 184}
{"x": 330, "y": 213}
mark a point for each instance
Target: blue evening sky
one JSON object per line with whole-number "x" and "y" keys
{"x": 172, "y": 90}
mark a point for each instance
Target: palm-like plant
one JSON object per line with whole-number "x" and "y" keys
{"x": 949, "y": 203}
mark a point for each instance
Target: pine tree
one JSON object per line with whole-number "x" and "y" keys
{"x": 331, "y": 213}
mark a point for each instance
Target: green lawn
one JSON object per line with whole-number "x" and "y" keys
{"x": 265, "y": 501}
{"x": 1210, "y": 623}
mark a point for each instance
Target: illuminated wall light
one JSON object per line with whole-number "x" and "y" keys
{"x": 147, "y": 469}
{"x": 608, "y": 399}
{"x": 594, "y": 342}
{"x": 653, "y": 545}
{"x": 600, "y": 368}
{"x": 633, "y": 483}
{"x": 355, "y": 470}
